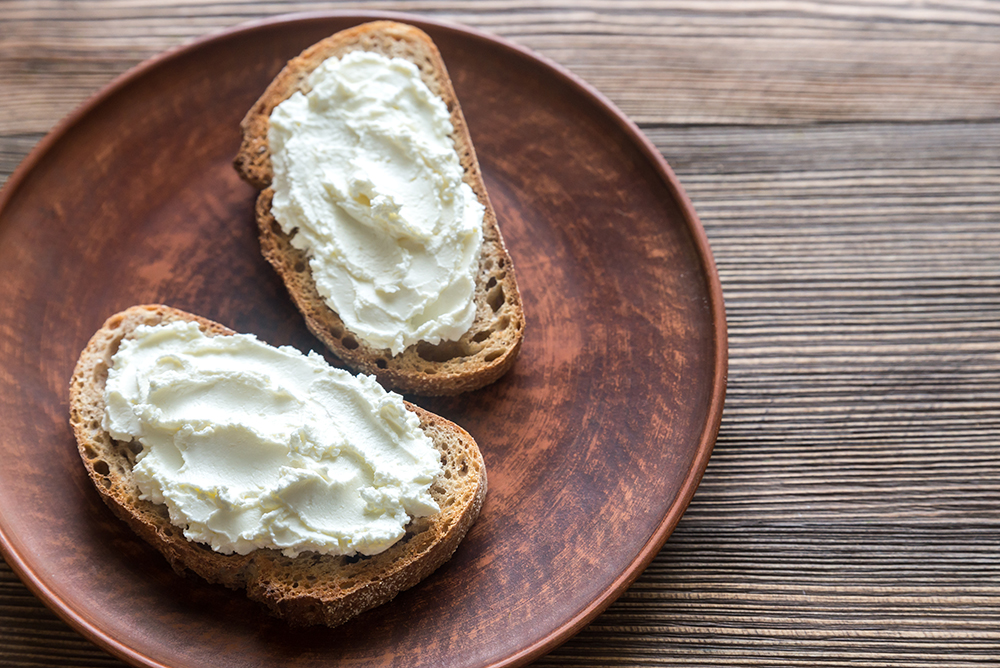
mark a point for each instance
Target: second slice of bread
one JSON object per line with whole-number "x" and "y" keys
{"x": 311, "y": 588}
{"x": 490, "y": 347}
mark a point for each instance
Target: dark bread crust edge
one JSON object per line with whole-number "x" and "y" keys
{"x": 491, "y": 346}
{"x": 309, "y": 589}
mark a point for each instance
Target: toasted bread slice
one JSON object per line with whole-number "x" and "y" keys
{"x": 485, "y": 352}
{"x": 310, "y": 588}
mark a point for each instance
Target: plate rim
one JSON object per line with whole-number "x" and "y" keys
{"x": 91, "y": 629}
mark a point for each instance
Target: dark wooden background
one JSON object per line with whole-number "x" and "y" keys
{"x": 845, "y": 160}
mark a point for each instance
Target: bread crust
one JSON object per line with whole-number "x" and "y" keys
{"x": 305, "y": 590}
{"x": 491, "y": 346}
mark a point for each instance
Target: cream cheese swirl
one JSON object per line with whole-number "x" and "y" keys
{"x": 251, "y": 446}
{"x": 368, "y": 182}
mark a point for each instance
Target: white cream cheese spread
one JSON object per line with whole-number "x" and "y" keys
{"x": 251, "y": 446}
{"x": 367, "y": 179}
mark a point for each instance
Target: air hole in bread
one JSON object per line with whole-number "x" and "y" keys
{"x": 501, "y": 324}
{"x": 479, "y": 337}
{"x": 381, "y": 363}
{"x": 495, "y": 298}
{"x": 349, "y": 342}
{"x": 88, "y": 452}
{"x": 488, "y": 264}
{"x": 101, "y": 467}
{"x": 105, "y": 483}
{"x": 465, "y": 466}
{"x": 490, "y": 283}
{"x": 337, "y": 331}
{"x": 300, "y": 266}
{"x": 492, "y": 355}
{"x": 440, "y": 352}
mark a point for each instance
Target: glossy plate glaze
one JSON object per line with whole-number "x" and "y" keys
{"x": 594, "y": 443}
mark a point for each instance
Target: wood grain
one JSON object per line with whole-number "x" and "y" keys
{"x": 754, "y": 62}
{"x": 845, "y": 161}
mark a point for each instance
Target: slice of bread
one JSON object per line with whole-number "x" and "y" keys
{"x": 310, "y": 588}
{"x": 489, "y": 348}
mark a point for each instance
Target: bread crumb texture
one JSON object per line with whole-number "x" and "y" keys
{"x": 304, "y": 590}
{"x": 491, "y": 346}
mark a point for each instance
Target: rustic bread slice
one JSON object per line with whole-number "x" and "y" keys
{"x": 310, "y": 588}
{"x": 490, "y": 347}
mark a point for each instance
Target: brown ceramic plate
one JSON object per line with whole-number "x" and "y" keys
{"x": 594, "y": 443}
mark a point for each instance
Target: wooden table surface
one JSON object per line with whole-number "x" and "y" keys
{"x": 844, "y": 158}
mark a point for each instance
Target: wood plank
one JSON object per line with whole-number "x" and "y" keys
{"x": 755, "y": 62}
{"x": 760, "y": 595}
